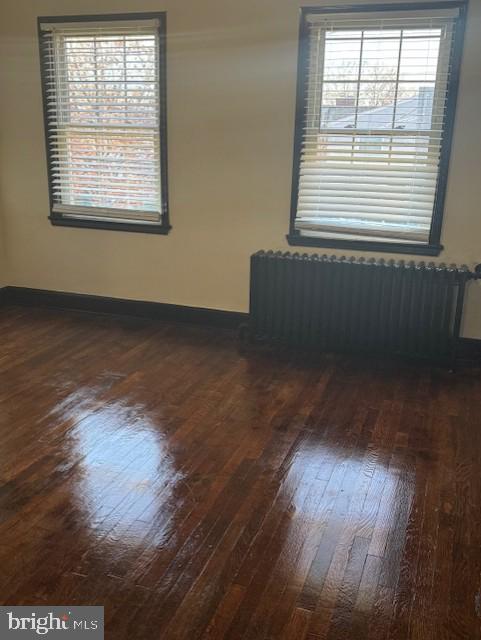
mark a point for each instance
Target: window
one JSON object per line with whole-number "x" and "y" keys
{"x": 375, "y": 109}
{"x": 104, "y": 98}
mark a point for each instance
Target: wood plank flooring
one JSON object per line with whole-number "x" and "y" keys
{"x": 199, "y": 492}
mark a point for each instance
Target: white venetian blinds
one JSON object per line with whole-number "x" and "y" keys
{"x": 373, "y": 123}
{"x": 101, "y": 89}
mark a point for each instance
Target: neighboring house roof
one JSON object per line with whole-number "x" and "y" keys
{"x": 411, "y": 113}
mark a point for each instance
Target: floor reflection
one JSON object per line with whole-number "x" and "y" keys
{"x": 340, "y": 506}
{"x": 126, "y": 473}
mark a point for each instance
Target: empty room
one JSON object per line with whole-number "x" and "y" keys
{"x": 240, "y": 319}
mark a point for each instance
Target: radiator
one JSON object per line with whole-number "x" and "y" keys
{"x": 338, "y": 304}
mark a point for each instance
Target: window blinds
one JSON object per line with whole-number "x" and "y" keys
{"x": 102, "y": 110}
{"x": 376, "y": 89}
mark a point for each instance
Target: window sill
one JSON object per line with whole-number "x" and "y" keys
{"x": 368, "y": 245}
{"x": 133, "y": 227}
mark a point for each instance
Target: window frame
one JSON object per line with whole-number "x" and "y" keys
{"x": 57, "y": 219}
{"x": 434, "y": 246}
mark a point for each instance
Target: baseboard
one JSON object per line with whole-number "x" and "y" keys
{"x": 118, "y": 306}
{"x": 469, "y": 348}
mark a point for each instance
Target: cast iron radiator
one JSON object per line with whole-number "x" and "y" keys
{"x": 348, "y": 304}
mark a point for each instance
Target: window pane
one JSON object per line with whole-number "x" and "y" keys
{"x": 343, "y": 34}
{"x": 414, "y": 105}
{"x": 104, "y": 171}
{"x": 341, "y": 60}
{"x": 383, "y": 33}
{"x": 419, "y": 59}
{"x": 380, "y": 59}
{"x": 110, "y": 80}
{"x": 376, "y": 105}
{"x": 426, "y": 33}
{"x": 338, "y": 104}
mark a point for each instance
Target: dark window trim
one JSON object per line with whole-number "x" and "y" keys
{"x": 57, "y": 219}
{"x": 434, "y": 246}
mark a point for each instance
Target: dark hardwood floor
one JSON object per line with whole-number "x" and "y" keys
{"x": 199, "y": 492}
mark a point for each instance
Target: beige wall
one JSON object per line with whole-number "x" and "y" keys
{"x": 3, "y": 259}
{"x": 4, "y": 279}
{"x": 231, "y": 84}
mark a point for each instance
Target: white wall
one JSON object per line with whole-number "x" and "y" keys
{"x": 231, "y": 94}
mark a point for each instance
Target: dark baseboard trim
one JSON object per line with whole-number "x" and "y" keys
{"x": 469, "y": 348}
{"x": 119, "y": 306}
